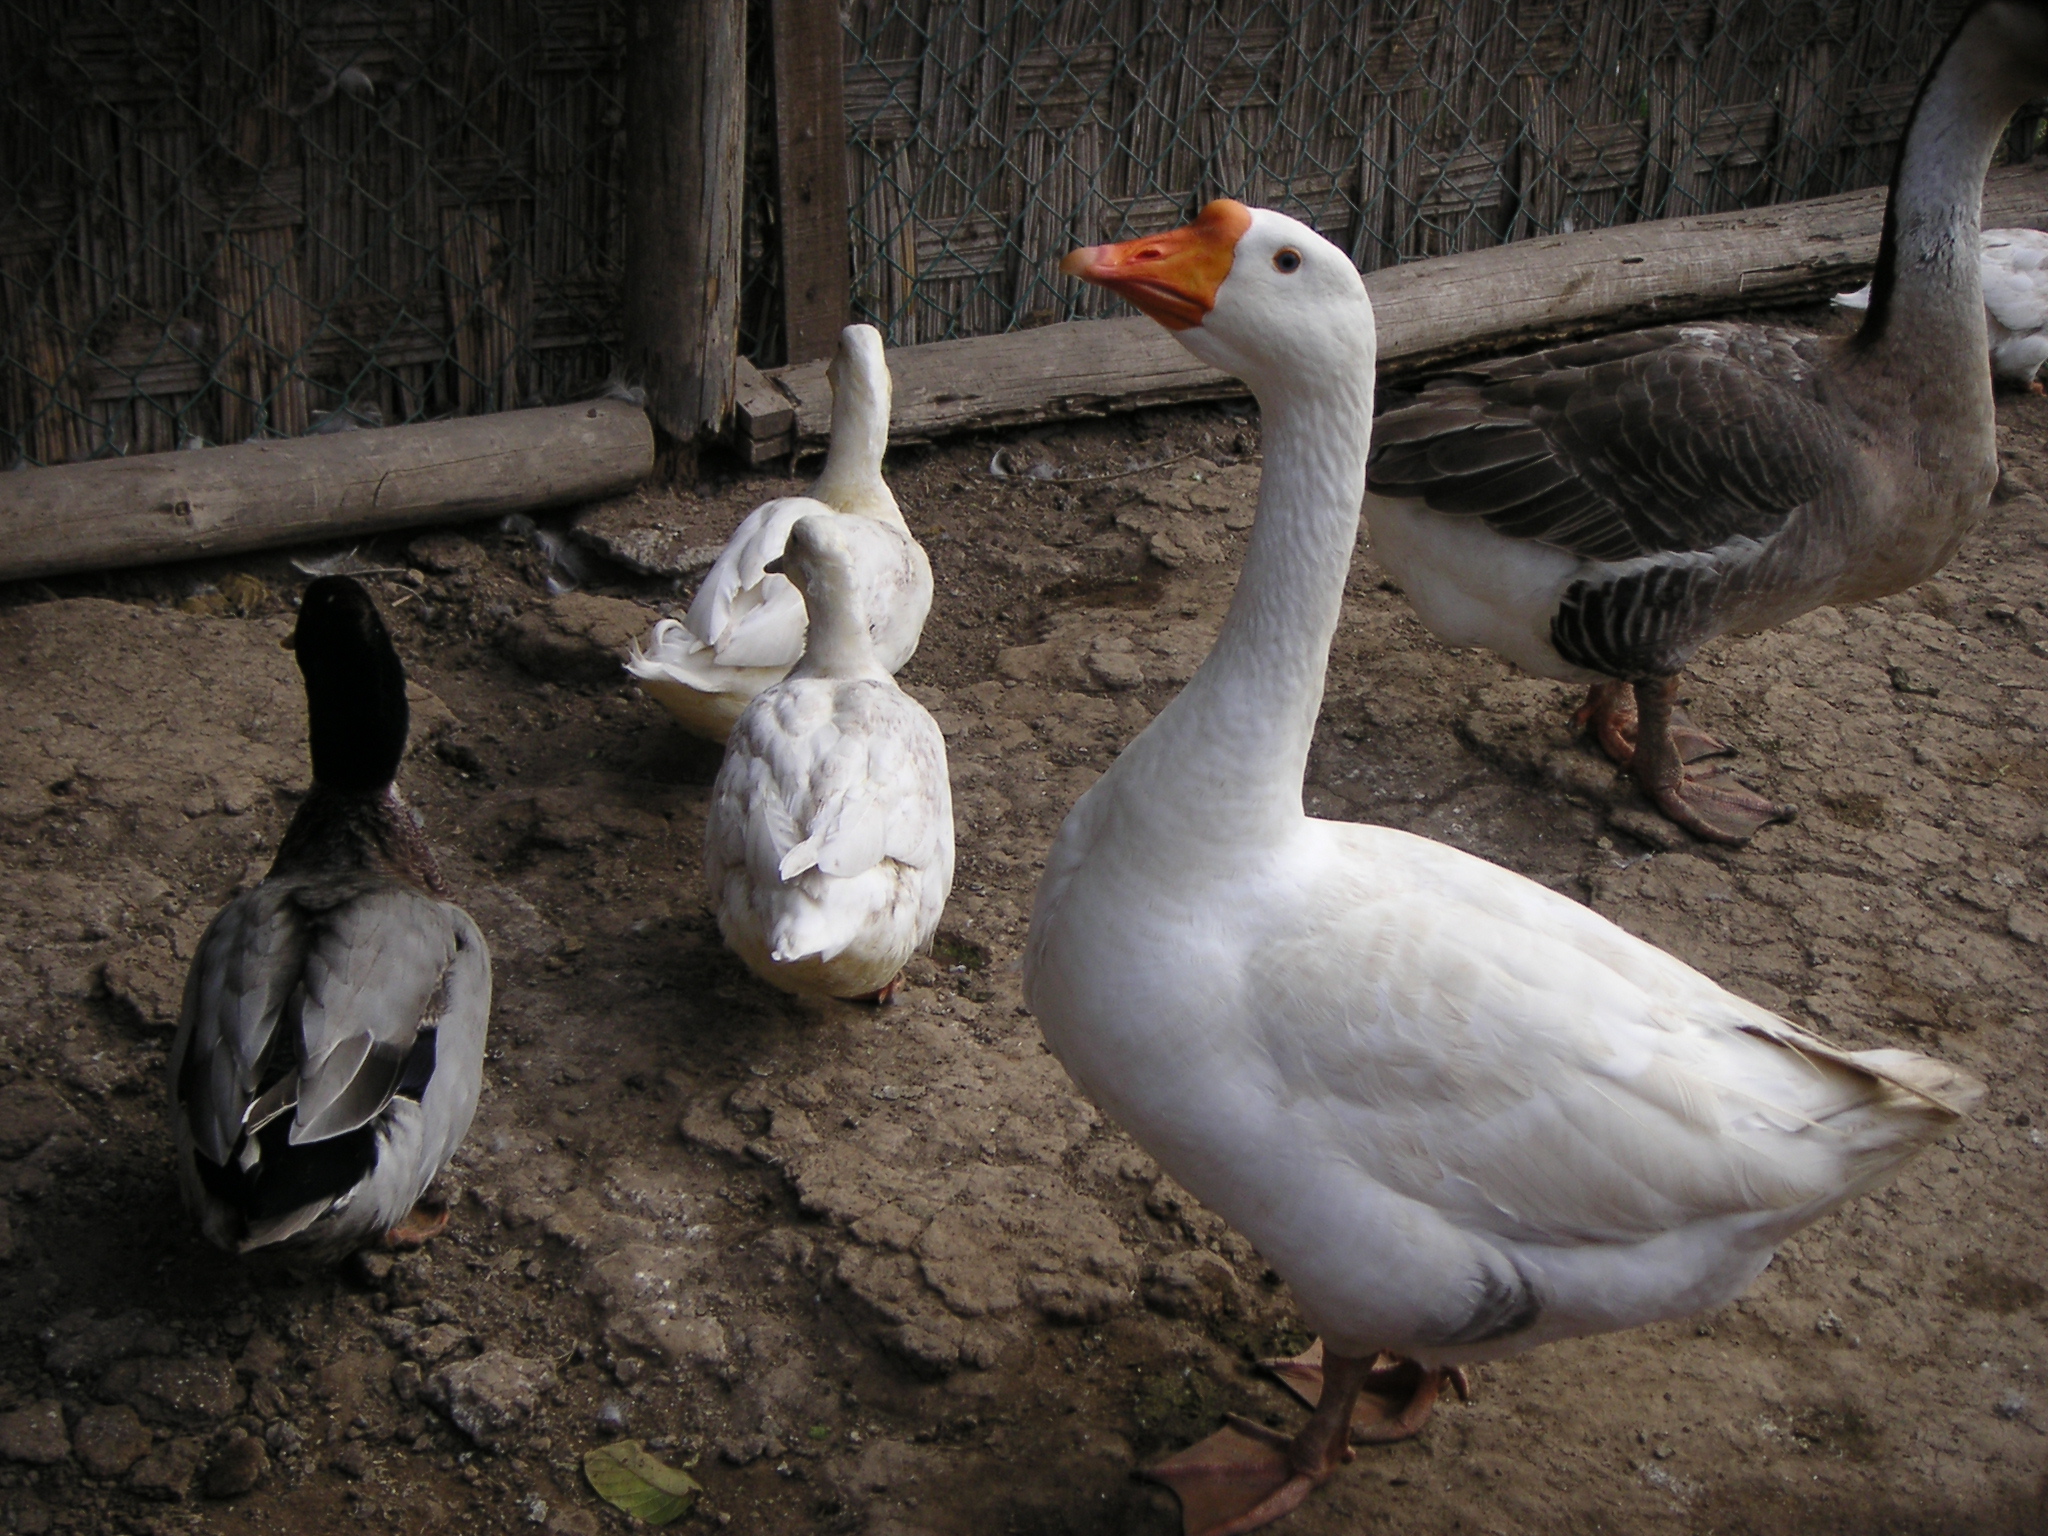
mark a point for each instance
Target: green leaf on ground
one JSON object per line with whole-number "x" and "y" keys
{"x": 628, "y": 1476}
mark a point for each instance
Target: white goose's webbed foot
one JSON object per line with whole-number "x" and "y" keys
{"x": 1395, "y": 1398}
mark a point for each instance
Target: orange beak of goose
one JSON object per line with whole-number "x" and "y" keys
{"x": 1171, "y": 277}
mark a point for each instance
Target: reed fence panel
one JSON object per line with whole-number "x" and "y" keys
{"x": 226, "y": 219}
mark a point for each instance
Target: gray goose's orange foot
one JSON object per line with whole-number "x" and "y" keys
{"x": 1713, "y": 805}
{"x": 1246, "y": 1476}
{"x": 419, "y": 1226}
{"x": 1609, "y": 713}
{"x": 1395, "y": 1397}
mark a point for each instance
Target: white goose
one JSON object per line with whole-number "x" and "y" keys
{"x": 1597, "y": 512}
{"x": 745, "y": 627}
{"x": 2014, "y": 269}
{"x": 829, "y": 851}
{"x": 1460, "y": 1114}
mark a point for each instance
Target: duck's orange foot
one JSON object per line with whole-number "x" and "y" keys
{"x": 421, "y": 1225}
{"x": 1237, "y": 1480}
{"x": 1395, "y": 1398}
{"x": 1609, "y": 713}
{"x": 881, "y": 997}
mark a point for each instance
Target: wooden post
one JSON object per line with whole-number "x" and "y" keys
{"x": 686, "y": 82}
{"x": 810, "y": 174}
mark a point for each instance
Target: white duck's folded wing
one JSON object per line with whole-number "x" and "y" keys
{"x": 2016, "y": 278}
{"x": 746, "y": 616}
{"x": 1531, "y": 1072}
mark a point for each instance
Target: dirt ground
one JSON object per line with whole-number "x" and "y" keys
{"x": 883, "y": 1271}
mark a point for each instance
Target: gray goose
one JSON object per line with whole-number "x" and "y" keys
{"x": 330, "y": 1053}
{"x": 1597, "y": 512}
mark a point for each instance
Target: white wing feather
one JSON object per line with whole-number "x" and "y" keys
{"x": 833, "y": 799}
{"x": 1496, "y": 1052}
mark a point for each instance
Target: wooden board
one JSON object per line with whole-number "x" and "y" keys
{"x": 213, "y": 501}
{"x": 1430, "y": 312}
{"x": 810, "y": 174}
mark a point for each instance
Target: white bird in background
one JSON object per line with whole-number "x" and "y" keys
{"x": 2014, "y": 265}
{"x": 1460, "y": 1114}
{"x": 745, "y": 627}
{"x": 829, "y": 851}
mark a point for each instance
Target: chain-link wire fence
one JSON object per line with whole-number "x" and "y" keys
{"x": 255, "y": 218}
{"x": 236, "y": 220}
{"x": 987, "y": 137}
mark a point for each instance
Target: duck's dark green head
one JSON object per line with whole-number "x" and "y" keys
{"x": 355, "y": 687}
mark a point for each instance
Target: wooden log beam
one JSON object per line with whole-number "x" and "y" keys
{"x": 215, "y": 501}
{"x": 1478, "y": 304}
{"x": 808, "y": 43}
{"x": 685, "y": 88}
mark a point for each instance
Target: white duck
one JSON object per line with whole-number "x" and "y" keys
{"x": 1597, "y": 512}
{"x": 829, "y": 851}
{"x": 1460, "y": 1114}
{"x": 330, "y": 1054}
{"x": 745, "y": 627}
{"x": 2014, "y": 268}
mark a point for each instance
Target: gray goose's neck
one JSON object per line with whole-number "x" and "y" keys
{"x": 1927, "y": 296}
{"x": 1233, "y": 747}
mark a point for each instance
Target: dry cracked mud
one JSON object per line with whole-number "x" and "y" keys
{"x": 884, "y": 1271}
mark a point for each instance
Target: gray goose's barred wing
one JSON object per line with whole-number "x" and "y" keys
{"x": 310, "y": 1007}
{"x": 1674, "y": 441}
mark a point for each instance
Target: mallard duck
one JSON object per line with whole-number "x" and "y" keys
{"x": 2013, "y": 267}
{"x": 745, "y": 627}
{"x": 1597, "y": 512}
{"x": 1460, "y": 1114}
{"x": 330, "y": 1053}
{"x": 830, "y": 846}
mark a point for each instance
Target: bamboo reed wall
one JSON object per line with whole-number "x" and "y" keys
{"x": 220, "y": 221}
{"x": 987, "y": 137}
{"x": 237, "y": 218}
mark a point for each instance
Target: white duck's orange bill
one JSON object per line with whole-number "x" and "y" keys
{"x": 1173, "y": 277}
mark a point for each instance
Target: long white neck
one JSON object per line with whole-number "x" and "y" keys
{"x": 837, "y": 643}
{"x": 1927, "y": 298}
{"x": 851, "y": 480}
{"x": 1230, "y": 752}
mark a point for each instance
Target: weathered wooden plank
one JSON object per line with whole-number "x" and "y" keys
{"x": 810, "y": 174}
{"x": 1474, "y": 304}
{"x": 765, "y": 417}
{"x": 174, "y": 506}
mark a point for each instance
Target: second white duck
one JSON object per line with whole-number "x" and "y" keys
{"x": 2014, "y": 266}
{"x": 1460, "y": 1114}
{"x": 745, "y": 627}
{"x": 829, "y": 851}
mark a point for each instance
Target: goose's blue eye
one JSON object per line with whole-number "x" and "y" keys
{"x": 1287, "y": 259}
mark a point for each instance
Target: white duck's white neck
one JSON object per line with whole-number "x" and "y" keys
{"x": 1231, "y": 751}
{"x": 836, "y": 640}
{"x": 851, "y": 480}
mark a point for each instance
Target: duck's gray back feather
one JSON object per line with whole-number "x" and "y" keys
{"x": 336, "y": 1007}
